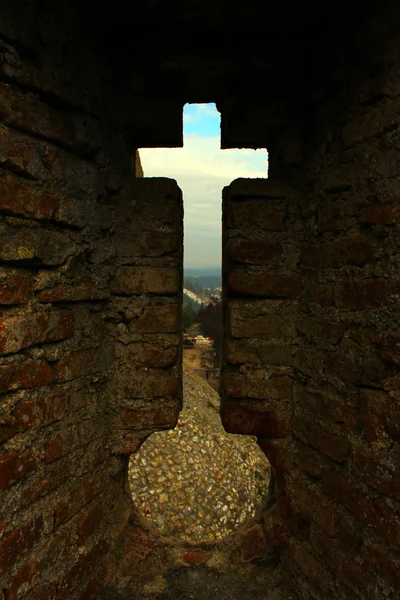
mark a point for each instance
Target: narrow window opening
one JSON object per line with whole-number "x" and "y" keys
{"x": 196, "y": 483}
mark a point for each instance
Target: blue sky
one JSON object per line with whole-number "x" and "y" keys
{"x": 202, "y": 169}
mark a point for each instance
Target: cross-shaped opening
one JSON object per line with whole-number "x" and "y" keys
{"x": 197, "y": 483}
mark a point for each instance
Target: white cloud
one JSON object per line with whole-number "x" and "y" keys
{"x": 202, "y": 169}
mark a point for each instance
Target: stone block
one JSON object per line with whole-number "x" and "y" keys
{"x": 310, "y": 432}
{"x": 21, "y": 332}
{"x": 261, "y": 188}
{"x": 258, "y": 320}
{"x": 265, "y": 285}
{"x": 161, "y": 281}
{"x": 155, "y": 415}
{"x": 152, "y": 244}
{"x": 72, "y": 293}
{"x": 16, "y": 543}
{"x": 379, "y": 214}
{"x": 83, "y": 362}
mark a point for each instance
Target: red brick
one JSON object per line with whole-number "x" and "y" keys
{"x": 154, "y": 416}
{"x": 265, "y": 285}
{"x": 195, "y": 558}
{"x": 312, "y": 568}
{"x": 129, "y": 444}
{"x": 370, "y": 511}
{"x": 310, "y": 432}
{"x": 309, "y": 500}
{"x": 238, "y": 385}
{"x": 16, "y": 543}
{"x": 45, "y": 409}
{"x": 22, "y": 332}
{"x": 386, "y": 563}
{"x": 15, "y": 288}
{"x": 361, "y": 295}
{"x": 88, "y": 523}
{"x": 14, "y": 466}
{"x": 376, "y": 475}
{"x": 84, "y": 565}
{"x": 80, "y": 495}
{"x": 252, "y": 543}
{"x": 65, "y": 441}
{"x": 161, "y": 281}
{"x": 25, "y": 578}
{"x": 251, "y": 419}
{"x": 76, "y": 293}
{"x": 18, "y": 198}
{"x": 28, "y": 374}
{"x": 157, "y": 319}
{"x": 378, "y": 214}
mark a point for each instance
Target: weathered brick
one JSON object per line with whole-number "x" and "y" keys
{"x": 260, "y": 188}
{"x": 41, "y": 246}
{"x": 18, "y": 198}
{"x": 260, "y": 213}
{"x": 19, "y": 154}
{"x": 15, "y": 288}
{"x": 312, "y": 568}
{"x": 319, "y": 293}
{"x": 370, "y": 511}
{"x": 16, "y": 543}
{"x": 65, "y": 441}
{"x": 153, "y": 383}
{"x": 310, "y": 500}
{"x": 238, "y": 385}
{"x": 22, "y": 332}
{"x": 254, "y": 252}
{"x": 23, "y": 579}
{"x": 266, "y": 285}
{"x": 28, "y": 374}
{"x": 79, "y": 496}
{"x": 150, "y": 355}
{"x": 85, "y": 563}
{"x": 153, "y": 416}
{"x": 385, "y": 562}
{"x": 252, "y": 543}
{"x": 161, "y": 281}
{"x": 375, "y": 474}
{"x": 157, "y": 319}
{"x": 76, "y": 293}
{"x": 378, "y": 214}
{"x": 45, "y": 409}
{"x": 14, "y": 466}
{"x": 243, "y": 351}
{"x": 83, "y": 362}
{"x": 89, "y": 522}
{"x": 311, "y": 432}
{"x": 253, "y": 419}
{"x": 361, "y": 295}
{"x": 258, "y": 321}
{"x": 357, "y": 251}
{"x": 151, "y": 243}
{"x": 27, "y": 112}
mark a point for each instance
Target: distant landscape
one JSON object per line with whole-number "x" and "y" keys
{"x": 204, "y": 279}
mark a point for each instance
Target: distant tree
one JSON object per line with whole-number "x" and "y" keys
{"x": 210, "y": 319}
{"x": 188, "y": 316}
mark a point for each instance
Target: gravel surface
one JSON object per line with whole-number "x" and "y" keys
{"x": 196, "y": 483}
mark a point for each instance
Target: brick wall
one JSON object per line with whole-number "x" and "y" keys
{"x": 90, "y": 280}
{"x": 337, "y": 466}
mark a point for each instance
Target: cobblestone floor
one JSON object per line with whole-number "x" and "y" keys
{"x": 196, "y": 483}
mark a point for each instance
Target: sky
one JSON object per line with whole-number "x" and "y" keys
{"x": 202, "y": 169}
